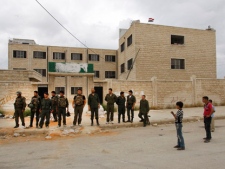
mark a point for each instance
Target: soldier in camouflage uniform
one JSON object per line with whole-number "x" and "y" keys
{"x": 54, "y": 99}
{"x": 19, "y": 105}
{"x": 34, "y": 106}
{"x": 93, "y": 106}
{"x": 45, "y": 109}
{"x": 63, "y": 104}
{"x": 110, "y": 98}
{"x": 79, "y": 102}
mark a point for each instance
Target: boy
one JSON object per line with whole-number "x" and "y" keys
{"x": 208, "y": 110}
{"x": 178, "y": 122}
{"x": 212, "y": 122}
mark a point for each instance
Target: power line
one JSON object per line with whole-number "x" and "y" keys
{"x": 69, "y": 31}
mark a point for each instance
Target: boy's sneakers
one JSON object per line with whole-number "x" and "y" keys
{"x": 176, "y": 146}
{"x": 181, "y": 148}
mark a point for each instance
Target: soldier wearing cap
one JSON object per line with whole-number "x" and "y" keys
{"x": 121, "y": 106}
{"x": 19, "y": 105}
{"x": 110, "y": 98}
{"x": 131, "y": 100}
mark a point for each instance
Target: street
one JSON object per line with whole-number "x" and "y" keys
{"x": 133, "y": 148}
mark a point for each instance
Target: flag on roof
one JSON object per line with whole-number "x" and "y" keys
{"x": 150, "y": 19}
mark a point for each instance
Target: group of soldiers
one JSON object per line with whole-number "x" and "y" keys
{"x": 59, "y": 107}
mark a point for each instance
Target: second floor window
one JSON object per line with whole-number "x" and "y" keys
{"x": 76, "y": 56}
{"x": 58, "y": 56}
{"x": 19, "y": 54}
{"x": 39, "y": 55}
{"x": 110, "y": 58}
{"x": 110, "y": 74}
{"x": 93, "y": 57}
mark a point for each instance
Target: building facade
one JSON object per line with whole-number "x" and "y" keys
{"x": 151, "y": 60}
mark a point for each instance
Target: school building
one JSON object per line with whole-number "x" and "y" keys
{"x": 165, "y": 63}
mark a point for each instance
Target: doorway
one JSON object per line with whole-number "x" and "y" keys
{"x": 41, "y": 91}
{"x": 99, "y": 91}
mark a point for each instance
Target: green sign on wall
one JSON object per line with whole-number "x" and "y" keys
{"x": 70, "y": 67}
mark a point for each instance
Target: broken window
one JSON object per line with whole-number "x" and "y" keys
{"x": 177, "y": 39}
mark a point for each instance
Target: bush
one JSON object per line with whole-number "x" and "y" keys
{"x": 2, "y": 112}
{"x": 27, "y": 113}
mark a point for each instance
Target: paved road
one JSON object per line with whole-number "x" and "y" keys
{"x": 133, "y": 148}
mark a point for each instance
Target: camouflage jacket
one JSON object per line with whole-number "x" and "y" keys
{"x": 20, "y": 103}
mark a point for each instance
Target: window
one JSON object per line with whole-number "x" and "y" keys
{"x": 129, "y": 40}
{"x": 41, "y": 71}
{"x": 93, "y": 57}
{"x": 110, "y": 58}
{"x": 122, "y": 47}
{"x": 39, "y": 55}
{"x": 58, "y": 56}
{"x": 19, "y": 54}
{"x": 176, "y": 39}
{"x": 129, "y": 64}
{"x": 122, "y": 68}
{"x": 74, "y": 90}
{"x": 110, "y": 74}
{"x": 96, "y": 74}
{"x": 76, "y": 56}
{"x": 19, "y": 69}
{"x": 177, "y": 64}
{"x": 58, "y": 89}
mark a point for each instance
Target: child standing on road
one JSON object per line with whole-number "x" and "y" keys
{"x": 178, "y": 123}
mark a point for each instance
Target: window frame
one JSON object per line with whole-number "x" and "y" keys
{"x": 122, "y": 68}
{"x": 63, "y": 56}
{"x": 110, "y": 58}
{"x": 44, "y": 56}
{"x": 15, "y": 53}
{"x": 80, "y": 55}
{"x": 176, "y": 38}
{"x": 90, "y": 57}
{"x": 129, "y": 65}
{"x": 111, "y": 76}
{"x": 176, "y": 66}
{"x": 122, "y": 47}
{"x": 129, "y": 40}
{"x": 98, "y": 72}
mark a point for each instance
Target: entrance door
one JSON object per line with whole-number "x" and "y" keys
{"x": 41, "y": 91}
{"x": 99, "y": 91}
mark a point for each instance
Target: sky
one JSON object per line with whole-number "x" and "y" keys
{"x": 96, "y": 22}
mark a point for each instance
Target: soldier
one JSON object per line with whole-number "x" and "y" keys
{"x": 54, "y": 99}
{"x": 79, "y": 102}
{"x": 93, "y": 105}
{"x": 110, "y": 98}
{"x": 63, "y": 104}
{"x": 19, "y": 105}
{"x": 34, "y": 106}
{"x": 45, "y": 109}
{"x": 144, "y": 109}
{"x": 131, "y": 100}
{"x": 121, "y": 106}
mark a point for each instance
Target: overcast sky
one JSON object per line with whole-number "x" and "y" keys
{"x": 97, "y": 22}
